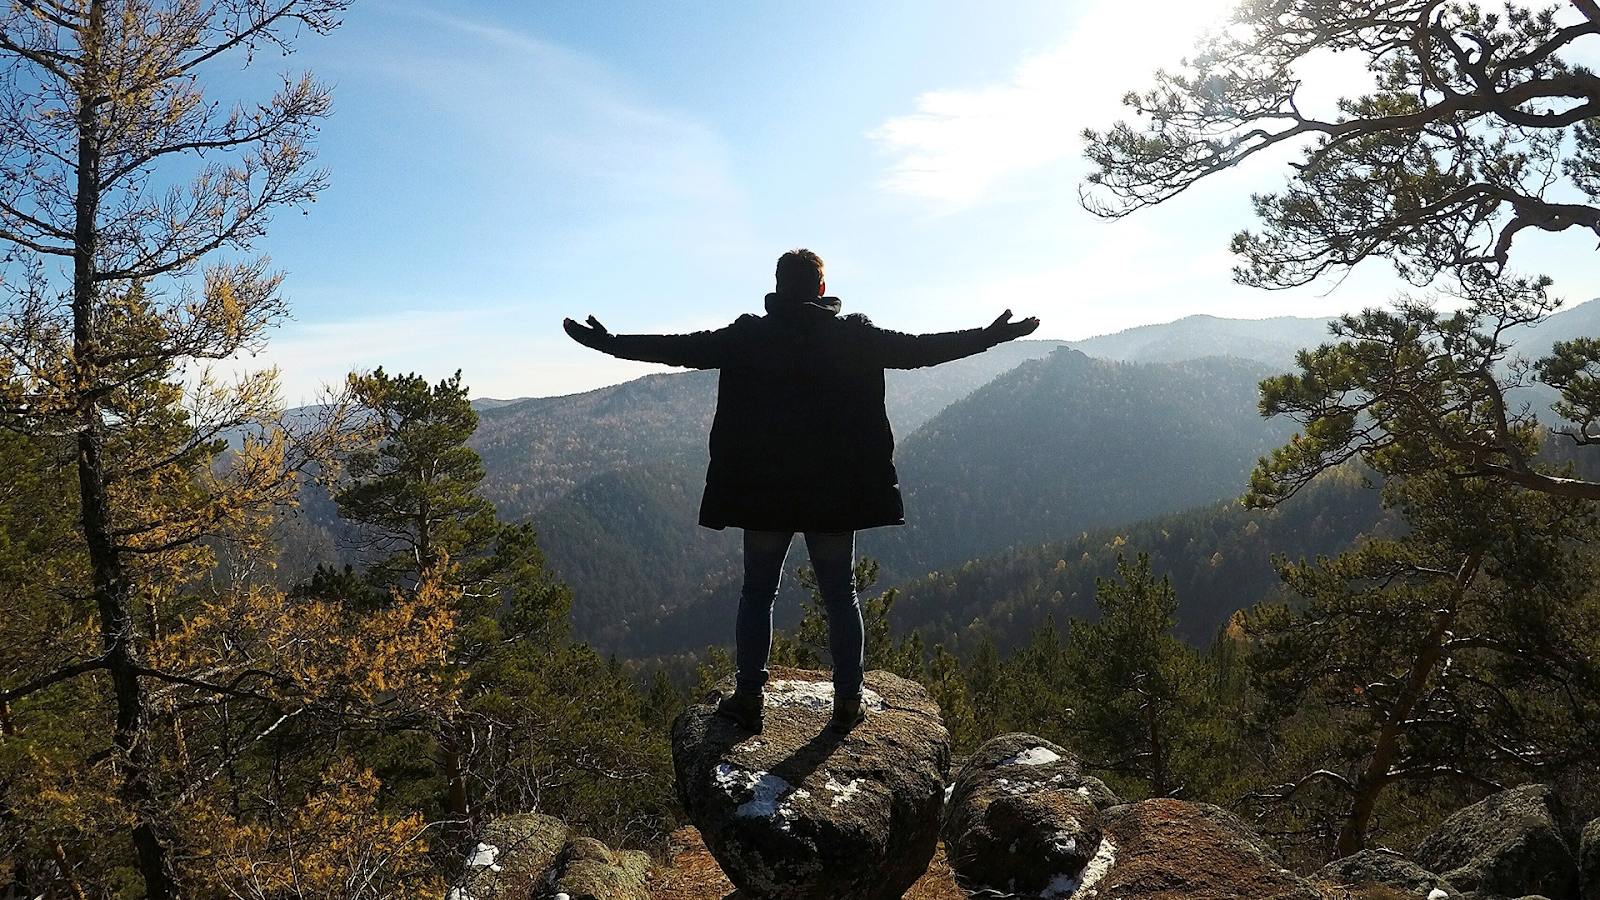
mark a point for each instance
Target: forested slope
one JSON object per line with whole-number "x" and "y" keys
{"x": 1056, "y": 447}
{"x": 1068, "y": 443}
{"x": 540, "y": 449}
{"x": 627, "y": 543}
{"x": 1219, "y": 557}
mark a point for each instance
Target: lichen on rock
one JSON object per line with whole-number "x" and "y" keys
{"x": 1380, "y": 867}
{"x": 1509, "y": 844}
{"x": 801, "y": 813}
{"x": 1023, "y": 818}
{"x": 510, "y": 858}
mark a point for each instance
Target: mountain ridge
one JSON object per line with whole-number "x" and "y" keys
{"x": 611, "y": 477}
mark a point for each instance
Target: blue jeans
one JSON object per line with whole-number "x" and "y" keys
{"x": 833, "y": 557}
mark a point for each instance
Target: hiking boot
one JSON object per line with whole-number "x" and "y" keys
{"x": 847, "y": 714}
{"x": 743, "y": 707}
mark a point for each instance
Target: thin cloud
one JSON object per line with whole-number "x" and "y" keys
{"x": 537, "y": 108}
{"x": 961, "y": 141}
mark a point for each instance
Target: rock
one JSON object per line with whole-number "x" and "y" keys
{"x": 1377, "y": 867}
{"x": 1507, "y": 844}
{"x": 1372, "y": 892}
{"x": 511, "y": 858}
{"x": 1164, "y": 849}
{"x": 1589, "y": 861}
{"x": 1022, "y": 816}
{"x": 588, "y": 870}
{"x": 801, "y": 813}
{"x": 1019, "y": 758}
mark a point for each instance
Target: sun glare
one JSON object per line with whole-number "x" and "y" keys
{"x": 961, "y": 139}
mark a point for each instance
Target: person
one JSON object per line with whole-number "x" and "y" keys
{"x": 800, "y": 443}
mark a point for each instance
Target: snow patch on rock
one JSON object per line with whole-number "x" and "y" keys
{"x": 1437, "y": 894}
{"x": 484, "y": 855}
{"x": 843, "y": 792}
{"x": 769, "y": 794}
{"x": 767, "y": 789}
{"x": 1060, "y": 888}
{"x": 816, "y": 695}
{"x": 1015, "y": 787}
{"x": 1098, "y": 866}
{"x": 1038, "y": 756}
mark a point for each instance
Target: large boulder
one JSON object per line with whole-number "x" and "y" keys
{"x": 1165, "y": 849}
{"x": 1508, "y": 844}
{"x": 511, "y": 858}
{"x": 1379, "y": 867}
{"x": 1589, "y": 860}
{"x": 801, "y": 813}
{"x": 1022, "y": 817}
{"x": 589, "y": 870}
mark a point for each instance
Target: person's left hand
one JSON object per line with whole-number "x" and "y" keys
{"x": 1007, "y": 330}
{"x": 592, "y": 335}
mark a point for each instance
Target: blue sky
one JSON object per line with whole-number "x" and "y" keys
{"x": 499, "y": 165}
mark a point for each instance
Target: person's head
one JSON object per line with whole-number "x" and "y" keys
{"x": 800, "y": 273}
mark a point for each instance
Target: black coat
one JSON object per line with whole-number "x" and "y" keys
{"x": 801, "y": 440}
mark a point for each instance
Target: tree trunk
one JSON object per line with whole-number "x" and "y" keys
{"x": 111, "y": 591}
{"x": 1375, "y": 777}
{"x": 1158, "y": 758}
{"x": 455, "y": 771}
{"x": 457, "y": 828}
{"x": 64, "y": 865}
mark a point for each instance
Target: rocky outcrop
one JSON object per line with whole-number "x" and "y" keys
{"x": 1509, "y": 844}
{"x": 532, "y": 857}
{"x": 1025, "y": 821}
{"x": 589, "y": 870}
{"x": 511, "y": 859}
{"x": 1165, "y": 849}
{"x": 1589, "y": 861}
{"x": 801, "y": 813}
{"x": 1378, "y": 867}
{"x": 1022, "y": 817}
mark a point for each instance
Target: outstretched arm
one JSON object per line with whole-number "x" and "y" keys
{"x": 700, "y": 350}
{"x": 910, "y": 351}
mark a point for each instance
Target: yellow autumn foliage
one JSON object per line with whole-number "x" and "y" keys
{"x": 312, "y": 652}
{"x": 336, "y": 844}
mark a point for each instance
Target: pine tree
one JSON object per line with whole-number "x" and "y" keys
{"x": 1480, "y": 126}
{"x": 1460, "y": 655}
{"x": 412, "y": 490}
{"x": 1139, "y": 705}
{"x": 536, "y": 722}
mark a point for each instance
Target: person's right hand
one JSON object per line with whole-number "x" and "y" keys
{"x": 1006, "y": 330}
{"x": 592, "y": 335}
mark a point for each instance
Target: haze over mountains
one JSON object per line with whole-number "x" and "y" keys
{"x": 1032, "y": 443}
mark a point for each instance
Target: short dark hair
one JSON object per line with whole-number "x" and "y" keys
{"x": 799, "y": 272}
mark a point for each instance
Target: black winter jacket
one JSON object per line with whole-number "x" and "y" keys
{"x": 801, "y": 440}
